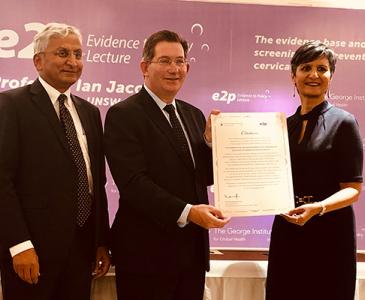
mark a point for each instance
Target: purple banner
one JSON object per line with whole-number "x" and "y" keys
{"x": 239, "y": 56}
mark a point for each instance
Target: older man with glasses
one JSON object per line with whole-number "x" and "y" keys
{"x": 53, "y": 208}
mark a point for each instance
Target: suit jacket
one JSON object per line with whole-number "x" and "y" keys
{"x": 38, "y": 177}
{"x": 155, "y": 184}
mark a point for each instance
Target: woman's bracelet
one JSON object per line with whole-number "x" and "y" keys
{"x": 323, "y": 209}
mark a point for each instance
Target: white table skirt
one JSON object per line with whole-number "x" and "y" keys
{"x": 245, "y": 280}
{"x": 227, "y": 280}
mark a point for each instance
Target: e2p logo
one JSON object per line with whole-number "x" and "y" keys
{"x": 224, "y": 96}
{"x": 9, "y": 39}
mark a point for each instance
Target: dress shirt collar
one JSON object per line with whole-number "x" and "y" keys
{"x": 52, "y": 92}
{"x": 161, "y": 104}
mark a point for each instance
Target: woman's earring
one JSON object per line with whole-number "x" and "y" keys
{"x": 328, "y": 94}
{"x": 294, "y": 91}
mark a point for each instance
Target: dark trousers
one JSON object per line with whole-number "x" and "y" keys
{"x": 67, "y": 279}
{"x": 187, "y": 284}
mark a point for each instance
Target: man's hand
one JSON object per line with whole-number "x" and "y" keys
{"x": 26, "y": 265}
{"x": 102, "y": 262}
{"x": 208, "y": 126}
{"x": 207, "y": 216}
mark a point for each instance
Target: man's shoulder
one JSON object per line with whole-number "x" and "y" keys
{"x": 23, "y": 90}
{"x": 130, "y": 103}
{"x": 15, "y": 97}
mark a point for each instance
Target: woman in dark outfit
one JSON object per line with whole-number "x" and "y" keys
{"x": 313, "y": 249}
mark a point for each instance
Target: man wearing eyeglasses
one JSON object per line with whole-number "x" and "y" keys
{"x": 53, "y": 208}
{"x": 162, "y": 166}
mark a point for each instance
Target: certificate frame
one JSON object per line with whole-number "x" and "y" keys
{"x": 251, "y": 164}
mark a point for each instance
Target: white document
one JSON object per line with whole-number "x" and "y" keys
{"x": 251, "y": 163}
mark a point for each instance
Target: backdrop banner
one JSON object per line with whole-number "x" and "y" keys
{"x": 239, "y": 56}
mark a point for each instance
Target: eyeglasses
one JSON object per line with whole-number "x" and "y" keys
{"x": 167, "y": 61}
{"x": 65, "y": 53}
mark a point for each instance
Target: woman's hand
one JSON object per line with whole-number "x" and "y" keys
{"x": 349, "y": 193}
{"x": 300, "y": 215}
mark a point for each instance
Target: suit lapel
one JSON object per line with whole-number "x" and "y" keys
{"x": 157, "y": 116}
{"x": 41, "y": 99}
{"x": 150, "y": 107}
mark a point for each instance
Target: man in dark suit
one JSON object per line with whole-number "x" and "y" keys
{"x": 162, "y": 166}
{"x": 53, "y": 208}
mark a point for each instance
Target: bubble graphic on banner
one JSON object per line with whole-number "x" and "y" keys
{"x": 197, "y": 29}
{"x": 199, "y": 26}
{"x": 205, "y": 46}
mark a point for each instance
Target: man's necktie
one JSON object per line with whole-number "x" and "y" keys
{"x": 179, "y": 134}
{"x": 83, "y": 195}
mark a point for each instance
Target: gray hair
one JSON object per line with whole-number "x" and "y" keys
{"x": 41, "y": 39}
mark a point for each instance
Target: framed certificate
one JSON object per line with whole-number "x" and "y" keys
{"x": 251, "y": 163}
